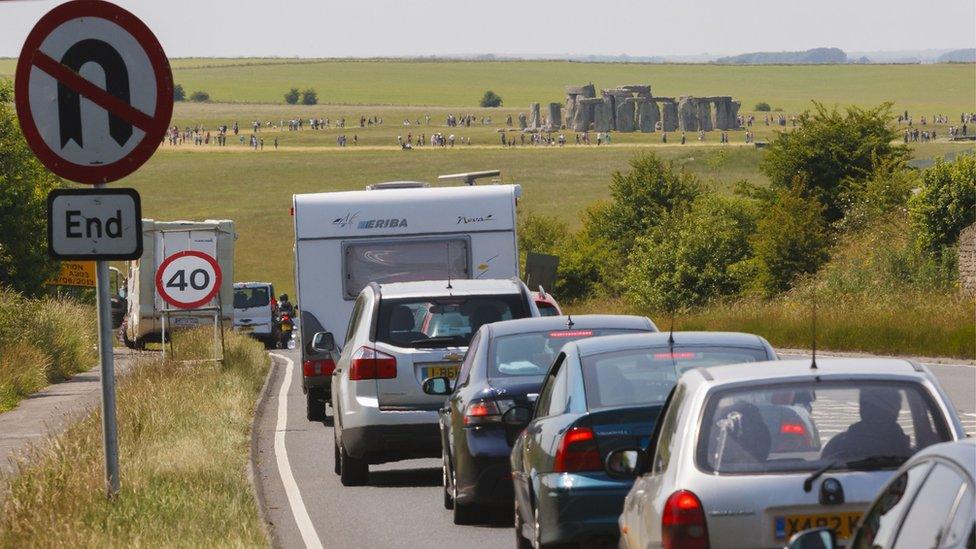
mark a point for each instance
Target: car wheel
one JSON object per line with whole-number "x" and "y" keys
{"x": 352, "y": 471}
{"x": 521, "y": 542}
{"x": 463, "y": 514}
{"x": 338, "y": 457}
{"x": 448, "y": 497}
{"x": 315, "y": 406}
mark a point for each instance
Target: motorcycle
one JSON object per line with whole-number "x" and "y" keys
{"x": 286, "y": 331}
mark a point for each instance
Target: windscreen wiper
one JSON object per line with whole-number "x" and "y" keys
{"x": 866, "y": 463}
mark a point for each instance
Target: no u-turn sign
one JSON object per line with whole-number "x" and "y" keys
{"x": 94, "y": 91}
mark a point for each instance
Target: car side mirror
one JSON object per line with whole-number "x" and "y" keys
{"x": 624, "y": 463}
{"x": 515, "y": 419}
{"x": 814, "y": 538}
{"x": 439, "y": 386}
{"x": 323, "y": 342}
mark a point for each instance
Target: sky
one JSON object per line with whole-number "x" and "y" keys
{"x": 372, "y": 28}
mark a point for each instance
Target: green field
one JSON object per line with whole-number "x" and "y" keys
{"x": 928, "y": 89}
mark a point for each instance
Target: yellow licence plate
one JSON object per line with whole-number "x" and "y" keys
{"x": 245, "y": 329}
{"x": 449, "y": 371}
{"x": 842, "y": 524}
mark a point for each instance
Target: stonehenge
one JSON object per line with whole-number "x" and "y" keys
{"x": 632, "y": 108}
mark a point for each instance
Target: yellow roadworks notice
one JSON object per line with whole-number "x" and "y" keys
{"x": 75, "y": 273}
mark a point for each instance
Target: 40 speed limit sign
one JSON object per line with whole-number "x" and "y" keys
{"x": 188, "y": 280}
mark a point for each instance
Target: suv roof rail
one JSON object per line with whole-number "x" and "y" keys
{"x": 397, "y": 185}
{"x": 470, "y": 177}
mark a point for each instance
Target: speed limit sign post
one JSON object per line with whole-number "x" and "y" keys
{"x": 190, "y": 280}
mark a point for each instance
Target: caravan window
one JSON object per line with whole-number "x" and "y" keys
{"x": 403, "y": 261}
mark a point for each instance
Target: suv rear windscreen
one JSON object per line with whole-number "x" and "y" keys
{"x": 431, "y": 322}
{"x": 246, "y": 298}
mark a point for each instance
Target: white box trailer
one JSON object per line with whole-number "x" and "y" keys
{"x": 143, "y": 319}
{"x": 393, "y": 233}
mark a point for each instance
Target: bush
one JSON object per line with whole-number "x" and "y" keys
{"x": 200, "y": 97}
{"x": 691, "y": 259}
{"x": 640, "y": 198}
{"x": 829, "y": 152}
{"x": 539, "y": 233}
{"x": 491, "y": 99}
{"x": 884, "y": 193}
{"x": 178, "y": 93}
{"x": 583, "y": 263}
{"x": 945, "y": 203}
{"x": 790, "y": 240}
{"x": 24, "y": 185}
{"x": 763, "y": 106}
{"x": 292, "y": 96}
{"x": 310, "y": 97}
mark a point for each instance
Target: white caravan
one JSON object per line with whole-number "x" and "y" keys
{"x": 161, "y": 239}
{"x": 400, "y": 232}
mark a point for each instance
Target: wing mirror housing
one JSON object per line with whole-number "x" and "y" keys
{"x": 438, "y": 386}
{"x": 515, "y": 419}
{"x": 323, "y": 342}
{"x": 814, "y": 538}
{"x": 625, "y": 463}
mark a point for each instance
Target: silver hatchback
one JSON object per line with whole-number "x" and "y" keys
{"x": 747, "y": 455}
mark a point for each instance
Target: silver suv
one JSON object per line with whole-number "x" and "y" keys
{"x": 399, "y": 335}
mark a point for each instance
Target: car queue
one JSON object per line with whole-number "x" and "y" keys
{"x": 590, "y": 430}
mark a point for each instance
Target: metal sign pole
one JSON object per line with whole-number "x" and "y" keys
{"x": 105, "y": 352}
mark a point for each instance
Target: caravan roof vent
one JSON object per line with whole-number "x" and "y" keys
{"x": 470, "y": 177}
{"x": 397, "y": 185}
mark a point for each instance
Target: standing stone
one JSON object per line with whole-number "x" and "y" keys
{"x": 522, "y": 123}
{"x": 588, "y": 90}
{"x": 720, "y": 113}
{"x": 639, "y": 89}
{"x": 704, "y": 114}
{"x": 626, "y": 113}
{"x": 669, "y": 116}
{"x": 584, "y": 113}
{"x": 687, "y": 114}
{"x": 648, "y": 114}
{"x": 966, "y": 259}
{"x": 555, "y": 116}
{"x": 535, "y": 121}
{"x": 571, "y": 106}
{"x": 734, "y": 113}
{"x": 603, "y": 115}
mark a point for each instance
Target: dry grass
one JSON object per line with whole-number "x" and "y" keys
{"x": 184, "y": 439}
{"x": 42, "y": 341}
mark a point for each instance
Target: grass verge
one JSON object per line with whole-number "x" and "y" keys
{"x": 184, "y": 447}
{"x": 907, "y": 324}
{"x": 42, "y": 341}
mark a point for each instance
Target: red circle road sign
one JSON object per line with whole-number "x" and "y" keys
{"x": 94, "y": 91}
{"x": 187, "y": 280}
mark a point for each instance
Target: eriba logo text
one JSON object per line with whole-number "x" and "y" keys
{"x": 382, "y": 223}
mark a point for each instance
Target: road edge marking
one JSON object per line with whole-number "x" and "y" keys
{"x": 298, "y": 510}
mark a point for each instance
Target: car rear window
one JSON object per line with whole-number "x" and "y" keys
{"x": 432, "y": 322}
{"x": 806, "y": 426}
{"x": 646, "y": 376}
{"x": 246, "y": 298}
{"x": 531, "y": 354}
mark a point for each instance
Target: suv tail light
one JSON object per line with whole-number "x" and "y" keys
{"x": 578, "y": 451}
{"x": 683, "y": 522}
{"x": 312, "y": 368}
{"x": 480, "y": 412}
{"x": 368, "y": 363}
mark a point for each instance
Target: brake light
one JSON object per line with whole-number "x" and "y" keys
{"x": 675, "y": 355}
{"x": 578, "y": 452}
{"x": 571, "y": 333}
{"x": 792, "y": 429}
{"x": 368, "y": 363}
{"x": 318, "y": 367}
{"x": 683, "y": 522}
{"x": 479, "y": 412}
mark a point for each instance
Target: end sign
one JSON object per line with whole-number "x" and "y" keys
{"x": 103, "y": 224}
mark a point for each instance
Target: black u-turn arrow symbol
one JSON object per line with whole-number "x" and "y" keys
{"x": 116, "y": 83}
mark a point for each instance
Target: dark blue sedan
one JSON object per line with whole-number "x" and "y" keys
{"x": 503, "y": 369}
{"x": 600, "y": 395}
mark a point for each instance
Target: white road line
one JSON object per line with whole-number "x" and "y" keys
{"x": 295, "y": 501}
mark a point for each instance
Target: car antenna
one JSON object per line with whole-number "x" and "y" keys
{"x": 813, "y": 359}
{"x": 569, "y": 321}
{"x": 448, "y": 245}
{"x": 674, "y": 363}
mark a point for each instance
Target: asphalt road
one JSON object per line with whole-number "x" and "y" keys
{"x": 402, "y": 505}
